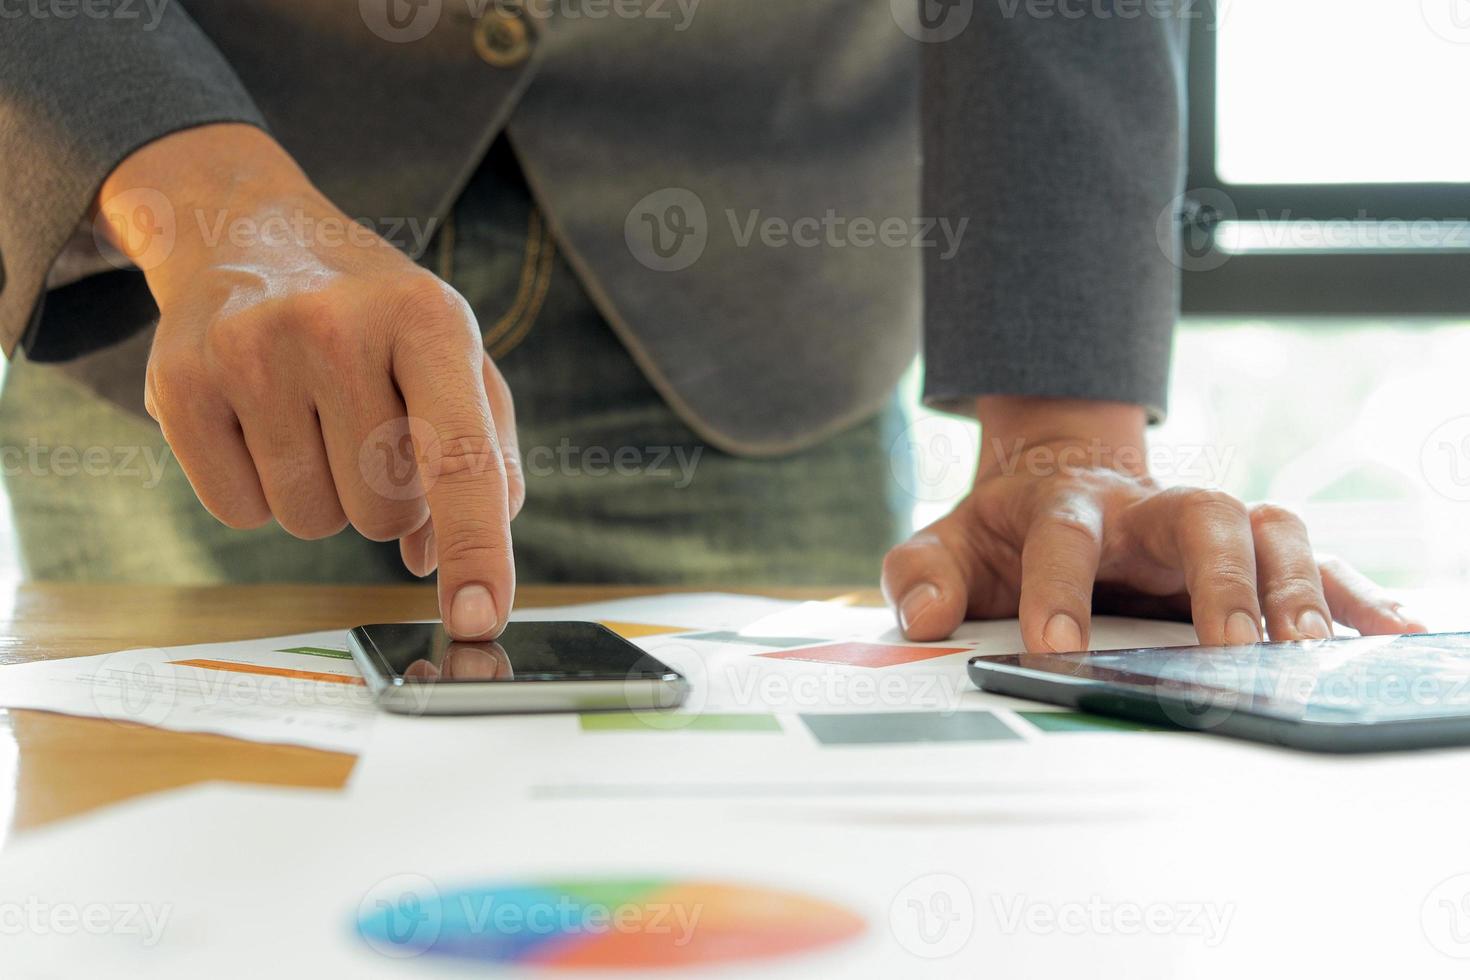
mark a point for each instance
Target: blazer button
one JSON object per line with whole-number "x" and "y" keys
{"x": 502, "y": 38}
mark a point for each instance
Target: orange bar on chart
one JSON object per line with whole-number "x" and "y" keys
{"x": 299, "y": 675}
{"x": 632, "y": 631}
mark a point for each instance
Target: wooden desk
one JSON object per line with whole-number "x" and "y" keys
{"x": 55, "y": 766}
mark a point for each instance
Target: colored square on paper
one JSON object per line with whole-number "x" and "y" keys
{"x": 319, "y": 652}
{"x": 632, "y": 631}
{"x": 726, "y": 636}
{"x": 856, "y": 654}
{"x": 624, "y": 721}
{"x": 900, "y": 727}
{"x": 1078, "y": 721}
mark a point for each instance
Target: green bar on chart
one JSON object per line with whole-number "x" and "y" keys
{"x": 319, "y": 652}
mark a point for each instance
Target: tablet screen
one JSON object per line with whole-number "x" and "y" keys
{"x": 1354, "y": 680}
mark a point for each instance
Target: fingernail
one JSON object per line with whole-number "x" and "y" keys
{"x": 472, "y": 613}
{"x": 430, "y": 554}
{"x": 1312, "y": 626}
{"x": 919, "y": 598}
{"x": 1062, "y": 634}
{"x": 1242, "y": 629}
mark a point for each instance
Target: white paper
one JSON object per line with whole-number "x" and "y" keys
{"x": 247, "y": 689}
{"x": 227, "y": 882}
{"x": 1103, "y": 855}
{"x": 255, "y": 690}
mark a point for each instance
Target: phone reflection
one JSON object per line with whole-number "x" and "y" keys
{"x": 463, "y": 662}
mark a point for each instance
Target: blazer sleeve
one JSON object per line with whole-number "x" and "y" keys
{"x": 77, "y": 96}
{"x": 1062, "y": 141}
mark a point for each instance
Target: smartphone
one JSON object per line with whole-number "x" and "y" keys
{"x": 415, "y": 668}
{"x": 1352, "y": 694}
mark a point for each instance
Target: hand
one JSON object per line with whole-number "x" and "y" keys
{"x": 304, "y": 369}
{"x": 1063, "y": 513}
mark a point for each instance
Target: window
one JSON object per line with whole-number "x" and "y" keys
{"x": 1330, "y": 157}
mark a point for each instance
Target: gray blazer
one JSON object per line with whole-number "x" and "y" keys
{"x": 736, "y": 183}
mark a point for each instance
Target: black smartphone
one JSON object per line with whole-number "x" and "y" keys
{"x": 1354, "y": 694}
{"x": 415, "y": 668}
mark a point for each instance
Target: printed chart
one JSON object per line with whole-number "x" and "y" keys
{"x": 600, "y": 924}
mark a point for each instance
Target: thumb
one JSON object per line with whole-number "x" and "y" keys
{"x": 923, "y": 582}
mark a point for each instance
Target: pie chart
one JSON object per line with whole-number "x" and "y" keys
{"x": 600, "y": 924}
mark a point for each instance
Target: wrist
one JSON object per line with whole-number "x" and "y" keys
{"x": 165, "y": 205}
{"x": 1089, "y": 433}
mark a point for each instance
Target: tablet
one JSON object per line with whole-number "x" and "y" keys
{"x": 1355, "y": 694}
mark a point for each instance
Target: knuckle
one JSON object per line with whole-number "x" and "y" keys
{"x": 305, "y": 309}
{"x": 238, "y": 352}
{"x": 175, "y": 382}
{"x": 236, "y": 337}
{"x": 467, "y": 455}
{"x": 1074, "y": 528}
{"x": 320, "y": 321}
{"x": 1291, "y": 592}
{"x": 1216, "y": 504}
{"x": 1269, "y": 515}
{"x": 470, "y": 542}
{"x": 383, "y": 523}
{"x": 303, "y": 510}
{"x": 425, "y": 308}
{"x": 1231, "y": 577}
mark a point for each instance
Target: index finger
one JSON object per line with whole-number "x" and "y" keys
{"x": 438, "y": 371}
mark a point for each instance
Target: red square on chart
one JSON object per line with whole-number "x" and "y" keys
{"x": 864, "y": 654}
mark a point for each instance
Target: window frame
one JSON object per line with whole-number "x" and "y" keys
{"x": 1411, "y": 282}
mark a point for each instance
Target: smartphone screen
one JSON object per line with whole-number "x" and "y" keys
{"x": 551, "y": 651}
